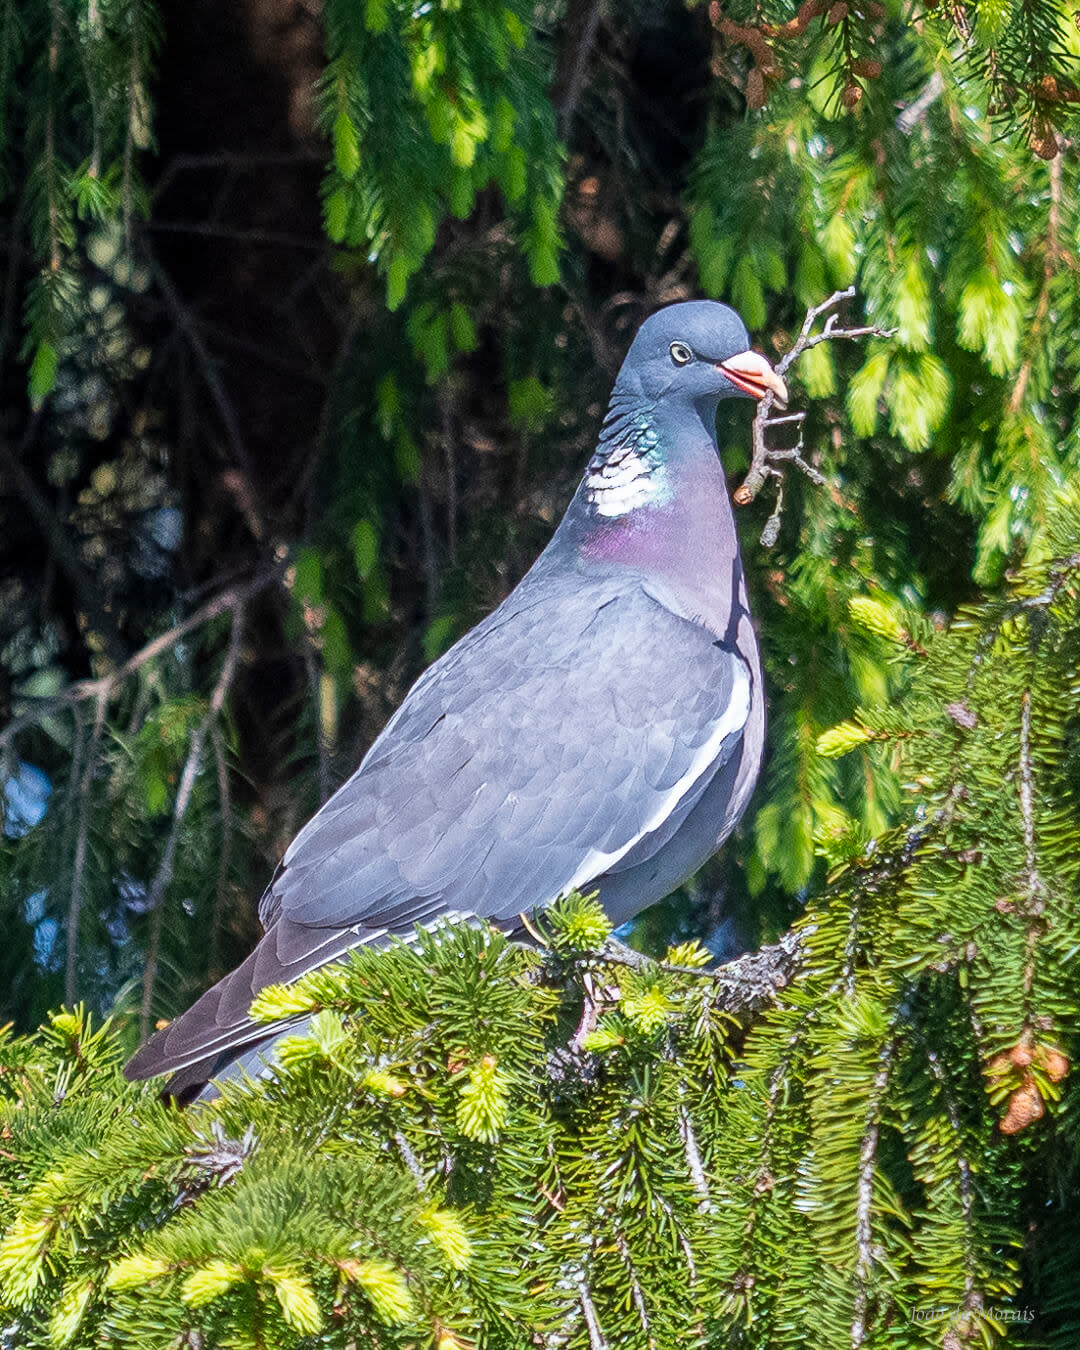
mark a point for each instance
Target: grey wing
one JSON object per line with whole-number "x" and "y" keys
{"x": 557, "y": 739}
{"x": 567, "y": 737}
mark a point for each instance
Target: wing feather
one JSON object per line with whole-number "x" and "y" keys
{"x": 570, "y": 733}
{"x": 576, "y": 726}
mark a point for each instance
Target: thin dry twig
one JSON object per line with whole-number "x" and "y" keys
{"x": 225, "y": 858}
{"x": 85, "y": 781}
{"x": 313, "y": 669}
{"x": 909, "y": 118}
{"x": 764, "y": 459}
{"x": 188, "y": 326}
{"x": 164, "y": 873}
{"x": 237, "y": 235}
{"x": 226, "y": 601}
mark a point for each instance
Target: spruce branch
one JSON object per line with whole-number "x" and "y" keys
{"x": 744, "y": 985}
{"x": 1033, "y": 884}
{"x": 597, "y": 1340}
{"x": 865, "y": 1257}
{"x": 764, "y": 459}
{"x": 1054, "y": 256}
{"x": 1033, "y": 907}
{"x": 637, "y": 1294}
{"x": 693, "y": 1158}
{"x": 972, "y": 1299}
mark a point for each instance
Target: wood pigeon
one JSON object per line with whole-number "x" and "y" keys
{"x": 601, "y": 730}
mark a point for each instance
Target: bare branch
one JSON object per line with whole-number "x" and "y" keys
{"x": 743, "y": 986}
{"x": 763, "y": 459}
{"x": 225, "y": 857}
{"x": 9, "y": 309}
{"x": 427, "y": 537}
{"x": 865, "y": 1256}
{"x": 229, "y": 600}
{"x": 238, "y": 235}
{"x": 233, "y": 163}
{"x": 446, "y": 413}
{"x": 581, "y": 28}
{"x": 52, "y": 529}
{"x": 85, "y": 782}
{"x": 185, "y": 322}
{"x": 693, "y": 1159}
{"x": 410, "y": 1160}
{"x": 164, "y": 873}
{"x": 909, "y": 118}
{"x": 751, "y": 982}
{"x": 597, "y": 1340}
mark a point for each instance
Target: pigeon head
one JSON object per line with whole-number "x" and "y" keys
{"x": 658, "y": 440}
{"x": 695, "y": 354}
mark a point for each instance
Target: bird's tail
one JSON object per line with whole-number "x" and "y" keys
{"x": 217, "y": 1030}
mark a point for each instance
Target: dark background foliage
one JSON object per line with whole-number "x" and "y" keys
{"x": 349, "y": 450}
{"x": 308, "y": 314}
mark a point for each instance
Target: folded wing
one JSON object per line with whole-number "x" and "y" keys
{"x": 577, "y": 726}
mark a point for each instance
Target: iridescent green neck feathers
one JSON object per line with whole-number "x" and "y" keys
{"x": 628, "y": 470}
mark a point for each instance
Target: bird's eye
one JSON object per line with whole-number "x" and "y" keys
{"x": 680, "y": 353}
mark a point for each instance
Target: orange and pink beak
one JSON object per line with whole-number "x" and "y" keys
{"x": 754, "y": 376}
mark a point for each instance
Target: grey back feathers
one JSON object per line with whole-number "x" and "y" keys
{"x": 600, "y": 730}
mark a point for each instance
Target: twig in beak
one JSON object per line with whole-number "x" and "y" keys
{"x": 763, "y": 459}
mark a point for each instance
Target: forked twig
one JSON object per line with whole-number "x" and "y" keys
{"x": 763, "y": 460}
{"x": 225, "y": 602}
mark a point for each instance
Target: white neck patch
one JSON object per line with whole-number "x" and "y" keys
{"x": 626, "y": 478}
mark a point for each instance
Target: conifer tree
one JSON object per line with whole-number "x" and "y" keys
{"x": 862, "y": 1135}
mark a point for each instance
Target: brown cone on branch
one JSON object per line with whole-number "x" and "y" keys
{"x": 1025, "y": 1107}
{"x": 1043, "y": 137}
{"x": 1052, "y": 1062}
